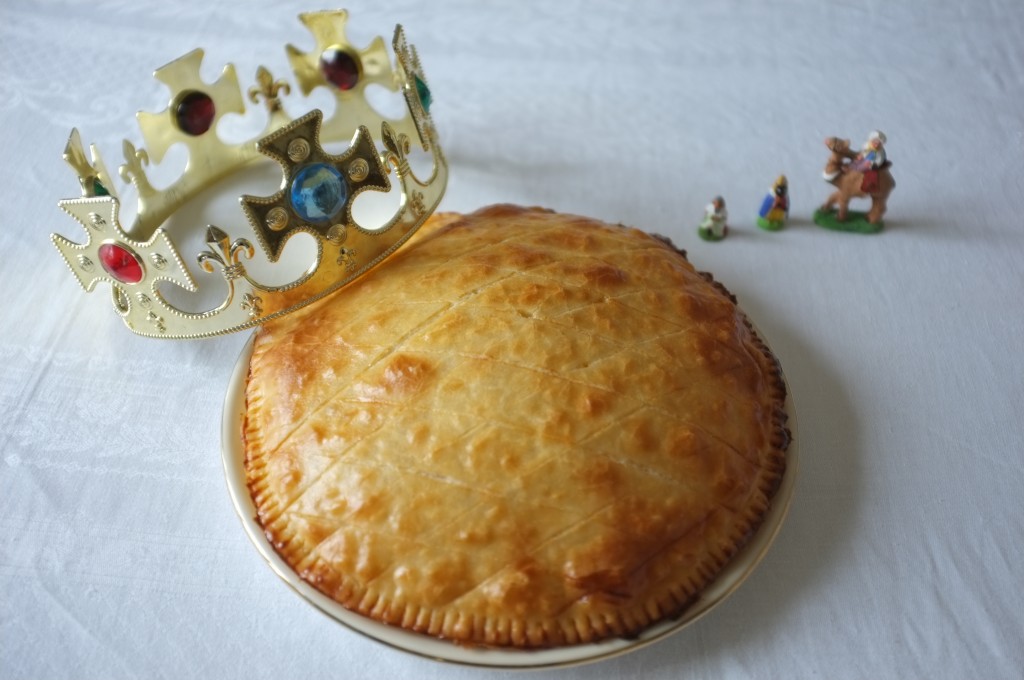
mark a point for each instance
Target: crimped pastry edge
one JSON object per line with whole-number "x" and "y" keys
{"x": 666, "y": 603}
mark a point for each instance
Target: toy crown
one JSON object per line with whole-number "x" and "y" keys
{"x": 315, "y": 197}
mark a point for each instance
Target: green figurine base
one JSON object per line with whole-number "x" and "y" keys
{"x": 770, "y": 225}
{"x": 856, "y": 222}
{"x": 708, "y": 236}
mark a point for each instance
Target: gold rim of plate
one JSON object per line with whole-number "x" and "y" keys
{"x": 728, "y": 581}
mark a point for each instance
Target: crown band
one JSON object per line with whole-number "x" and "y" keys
{"x": 316, "y": 194}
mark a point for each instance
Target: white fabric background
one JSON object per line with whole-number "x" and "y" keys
{"x": 120, "y": 553}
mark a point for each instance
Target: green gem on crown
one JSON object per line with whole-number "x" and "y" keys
{"x": 423, "y": 92}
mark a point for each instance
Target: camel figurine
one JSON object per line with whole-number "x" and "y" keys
{"x": 849, "y": 180}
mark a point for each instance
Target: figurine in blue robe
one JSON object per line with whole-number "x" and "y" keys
{"x": 775, "y": 206}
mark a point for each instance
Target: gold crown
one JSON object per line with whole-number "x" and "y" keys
{"x": 315, "y": 197}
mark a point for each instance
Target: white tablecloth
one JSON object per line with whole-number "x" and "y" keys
{"x": 120, "y": 552}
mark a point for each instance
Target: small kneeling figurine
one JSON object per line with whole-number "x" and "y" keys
{"x": 775, "y": 206}
{"x": 713, "y": 226}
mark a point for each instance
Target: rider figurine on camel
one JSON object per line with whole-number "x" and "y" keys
{"x": 856, "y": 175}
{"x": 871, "y": 159}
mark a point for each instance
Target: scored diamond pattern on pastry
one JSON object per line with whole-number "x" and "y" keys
{"x": 577, "y": 457}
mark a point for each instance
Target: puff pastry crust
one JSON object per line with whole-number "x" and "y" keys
{"x": 527, "y": 429}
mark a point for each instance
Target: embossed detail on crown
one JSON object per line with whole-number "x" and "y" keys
{"x": 316, "y": 195}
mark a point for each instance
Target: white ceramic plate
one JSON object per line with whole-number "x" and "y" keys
{"x": 729, "y": 580}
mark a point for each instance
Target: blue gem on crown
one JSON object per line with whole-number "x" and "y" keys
{"x": 318, "y": 193}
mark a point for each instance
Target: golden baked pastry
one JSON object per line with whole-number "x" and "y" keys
{"x": 525, "y": 429}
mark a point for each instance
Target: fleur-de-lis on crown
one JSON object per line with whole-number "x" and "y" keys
{"x": 133, "y": 170}
{"x": 226, "y": 253}
{"x": 268, "y": 89}
{"x": 252, "y": 304}
{"x": 398, "y": 147}
{"x": 347, "y": 257}
{"x": 157, "y": 321}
